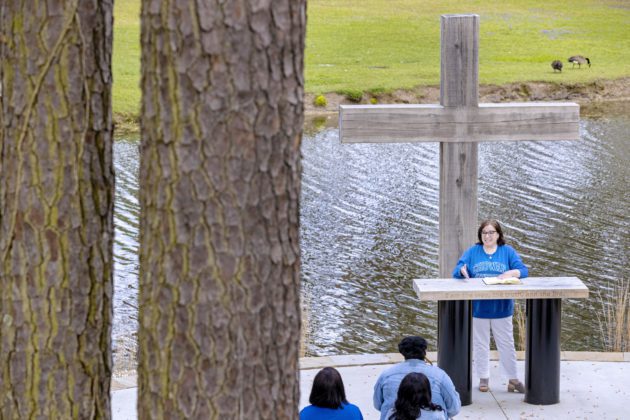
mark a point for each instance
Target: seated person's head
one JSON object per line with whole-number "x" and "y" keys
{"x": 328, "y": 390}
{"x": 414, "y": 394}
{"x": 413, "y": 347}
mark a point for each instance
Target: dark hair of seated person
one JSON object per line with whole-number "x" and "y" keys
{"x": 413, "y": 347}
{"x": 414, "y": 394}
{"x": 328, "y": 390}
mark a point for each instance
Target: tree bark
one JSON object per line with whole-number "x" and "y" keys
{"x": 222, "y": 116}
{"x": 56, "y": 209}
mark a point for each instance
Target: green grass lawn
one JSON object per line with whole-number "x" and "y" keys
{"x": 381, "y": 45}
{"x": 126, "y": 57}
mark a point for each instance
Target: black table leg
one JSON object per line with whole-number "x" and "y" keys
{"x": 455, "y": 345}
{"x": 542, "y": 354}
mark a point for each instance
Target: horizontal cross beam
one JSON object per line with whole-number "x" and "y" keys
{"x": 435, "y": 123}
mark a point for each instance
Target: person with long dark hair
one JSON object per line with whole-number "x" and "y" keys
{"x": 414, "y": 350}
{"x": 328, "y": 399}
{"x": 414, "y": 400}
{"x": 492, "y": 257}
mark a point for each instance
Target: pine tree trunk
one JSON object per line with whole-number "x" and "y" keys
{"x": 56, "y": 207}
{"x": 220, "y": 172}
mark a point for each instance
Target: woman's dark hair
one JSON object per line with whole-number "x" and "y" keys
{"x": 413, "y": 347}
{"x": 414, "y": 393}
{"x": 496, "y": 226}
{"x": 328, "y": 391}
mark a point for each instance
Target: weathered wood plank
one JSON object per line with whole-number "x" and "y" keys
{"x": 488, "y": 122}
{"x": 458, "y": 202}
{"x": 458, "y": 160}
{"x": 459, "y": 69}
{"x": 532, "y": 288}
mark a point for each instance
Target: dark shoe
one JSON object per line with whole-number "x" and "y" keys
{"x": 514, "y": 385}
{"x": 483, "y": 384}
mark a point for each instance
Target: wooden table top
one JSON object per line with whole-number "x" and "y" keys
{"x": 532, "y": 288}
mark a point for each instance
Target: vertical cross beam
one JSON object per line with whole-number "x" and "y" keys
{"x": 458, "y": 193}
{"x": 458, "y": 161}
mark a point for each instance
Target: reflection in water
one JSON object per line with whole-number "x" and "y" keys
{"x": 369, "y": 224}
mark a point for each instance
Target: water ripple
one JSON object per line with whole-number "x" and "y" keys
{"x": 369, "y": 224}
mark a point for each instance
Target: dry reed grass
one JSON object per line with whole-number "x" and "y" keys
{"x": 614, "y": 320}
{"x": 304, "y": 327}
{"x": 520, "y": 317}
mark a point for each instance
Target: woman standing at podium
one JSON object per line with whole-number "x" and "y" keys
{"x": 491, "y": 257}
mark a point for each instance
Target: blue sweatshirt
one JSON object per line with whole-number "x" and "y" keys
{"x": 480, "y": 264}
{"x": 347, "y": 411}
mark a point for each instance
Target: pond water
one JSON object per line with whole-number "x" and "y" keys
{"x": 369, "y": 225}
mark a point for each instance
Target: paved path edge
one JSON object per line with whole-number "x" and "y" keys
{"x": 129, "y": 379}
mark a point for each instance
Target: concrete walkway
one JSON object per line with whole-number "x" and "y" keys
{"x": 592, "y": 386}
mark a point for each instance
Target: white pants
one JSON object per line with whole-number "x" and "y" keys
{"x": 504, "y": 339}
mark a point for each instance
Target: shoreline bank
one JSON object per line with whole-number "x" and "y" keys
{"x": 595, "y": 98}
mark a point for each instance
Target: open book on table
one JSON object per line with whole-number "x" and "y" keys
{"x": 496, "y": 280}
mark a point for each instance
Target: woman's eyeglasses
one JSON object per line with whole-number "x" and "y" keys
{"x": 490, "y": 232}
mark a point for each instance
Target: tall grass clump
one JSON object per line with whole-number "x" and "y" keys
{"x": 305, "y": 327}
{"x": 353, "y": 95}
{"x": 520, "y": 317}
{"x": 614, "y": 319}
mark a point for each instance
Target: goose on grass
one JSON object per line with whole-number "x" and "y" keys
{"x": 579, "y": 60}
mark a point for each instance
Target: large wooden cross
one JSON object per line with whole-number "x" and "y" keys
{"x": 458, "y": 123}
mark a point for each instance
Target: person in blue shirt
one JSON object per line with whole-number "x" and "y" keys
{"x": 328, "y": 399}
{"x": 414, "y": 400}
{"x": 491, "y": 257}
{"x": 414, "y": 350}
